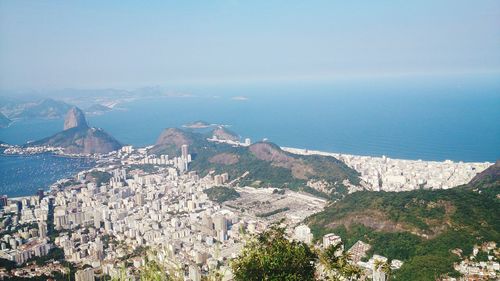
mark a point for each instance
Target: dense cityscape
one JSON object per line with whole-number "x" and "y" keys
{"x": 134, "y": 206}
{"x": 255, "y": 140}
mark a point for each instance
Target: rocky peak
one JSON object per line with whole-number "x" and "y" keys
{"x": 75, "y": 118}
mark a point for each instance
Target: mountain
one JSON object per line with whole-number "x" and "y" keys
{"x": 490, "y": 176}
{"x": 75, "y": 118}
{"x": 79, "y": 138}
{"x": 420, "y": 227}
{"x": 47, "y": 108}
{"x": 267, "y": 165}
{"x": 4, "y": 121}
{"x": 222, "y": 133}
{"x": 97, "y": 109}
{"x": 170, "y": 141}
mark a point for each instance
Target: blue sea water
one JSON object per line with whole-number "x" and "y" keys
{"x": 24, "y": 175}
{"x": 455, "y": 118}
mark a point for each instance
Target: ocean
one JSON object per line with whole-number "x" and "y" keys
{"x": 456, "y": 118}
{"x": 24, "y": 175}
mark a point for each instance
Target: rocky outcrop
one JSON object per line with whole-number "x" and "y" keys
{"x": 75, "y": 118}
{"x": 79, "y": 138}
{"x": 222, "y": 133}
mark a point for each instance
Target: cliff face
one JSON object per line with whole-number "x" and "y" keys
{"x": 75, "y": 118}
{"x": 79, "y": 138}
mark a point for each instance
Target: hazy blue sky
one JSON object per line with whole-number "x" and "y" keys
{"x": 86, "y": 44}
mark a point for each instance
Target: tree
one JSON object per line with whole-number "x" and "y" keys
{"x": 383, "y": 266}
{"x": 271, "y": 256}
{"x": 339, "y": 264}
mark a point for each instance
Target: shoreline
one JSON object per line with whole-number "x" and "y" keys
{"x": 305, "y": 151}
{"x": 388, "y": 174}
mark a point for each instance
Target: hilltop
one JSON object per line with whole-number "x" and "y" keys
{"x": 47, "y": 108}
{"x": 420, "y": 227}
{"x": 266, "y": 163}
{"x": 78, "y": 137}
{"x": 222, "y": 133}
{"x": 488, "y": 177}
{"x": 75, "y": 118}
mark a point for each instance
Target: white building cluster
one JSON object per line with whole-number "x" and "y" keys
{"x": 386, "y": 174}
{"x": 166, "y": 211}
{"x": 26, "y": 218}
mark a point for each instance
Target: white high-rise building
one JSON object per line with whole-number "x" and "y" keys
{"x": 185, "y": 152}
{"x": 303, "y": 233}
{"x": 42, "y": 229}
{"x": 331, "y": 239}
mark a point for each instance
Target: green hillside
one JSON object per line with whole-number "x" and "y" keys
{"x": 419, "y": 227}
{"x": 267, "y": 165}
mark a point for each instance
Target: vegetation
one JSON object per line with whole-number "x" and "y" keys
{"x": 152, "y": 270}
{"x": 273, "y": 212}
{"x": 56, "y": 254}
{"x": 425, "y": 226}
{"x": 100, "y": 177}
{"x": 7, "y": 264}
{"x": 270, "y": 256}
{"x": 289, "y": 171}
{"x": 338, "y": 264}
{"x": 221, "y": 194}
{"x": 148, "y": 168}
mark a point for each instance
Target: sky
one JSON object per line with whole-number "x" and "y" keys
{"x": 129, "y": 44}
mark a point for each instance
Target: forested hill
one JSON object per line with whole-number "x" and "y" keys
{"x": 419, "y": 227}
{"x": 266, "y": 163}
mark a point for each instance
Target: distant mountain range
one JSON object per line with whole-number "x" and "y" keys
{"x": 78, "y": 137}
{"x": 420, "y": 227}
{"x": 267, "y": 165}
{"x": 97, "y": 109}
{"x": 47, "y": 108}
{"x": 42, "y": 109}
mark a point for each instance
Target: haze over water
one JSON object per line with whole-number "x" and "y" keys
{"x": 441, "y": 118}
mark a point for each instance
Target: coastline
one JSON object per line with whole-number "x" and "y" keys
{"x": 304, "y": 151}
{"x": 395, "y": 175}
